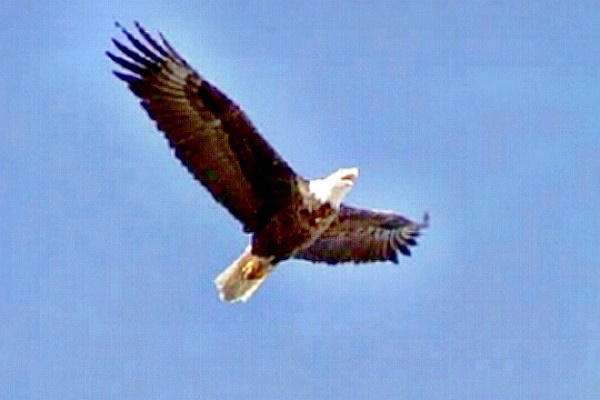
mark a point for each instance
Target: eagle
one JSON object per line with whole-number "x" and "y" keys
{"x": 287, "y": 215}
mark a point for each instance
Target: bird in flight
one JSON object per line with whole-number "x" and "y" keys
{"x": 287, "y": 215}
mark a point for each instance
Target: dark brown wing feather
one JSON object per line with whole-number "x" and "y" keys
{"x": 210, "y": 134}
{"x": 362, "y": 236}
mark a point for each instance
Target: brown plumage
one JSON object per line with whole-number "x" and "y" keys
{"x": 287, "y": 215}
{"x": 363, "y": 236}
{"x": 210, "y": 134}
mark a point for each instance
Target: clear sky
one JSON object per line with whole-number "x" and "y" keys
{"x": 484, "y": 113}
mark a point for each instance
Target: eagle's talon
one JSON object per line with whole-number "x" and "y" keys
{"x": 253, "y": 270}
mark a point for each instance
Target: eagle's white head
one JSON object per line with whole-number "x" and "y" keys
{"x": 333, "y": 188}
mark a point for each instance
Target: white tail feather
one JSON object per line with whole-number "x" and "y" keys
{"x": 232, "y": 284}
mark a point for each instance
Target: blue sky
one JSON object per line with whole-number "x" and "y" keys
{"x": 484, "y": 113}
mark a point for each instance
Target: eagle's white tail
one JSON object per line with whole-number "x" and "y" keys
{"x": 242, "y": 278}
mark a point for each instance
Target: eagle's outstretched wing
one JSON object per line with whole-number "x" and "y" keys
{"x": 360, "y": 236}
{"x": 210, "y": 134}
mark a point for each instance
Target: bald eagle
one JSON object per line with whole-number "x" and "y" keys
{"x": 287, "y": 215}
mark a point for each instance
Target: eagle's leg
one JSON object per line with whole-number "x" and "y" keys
{"x": 254, "y": 269}
{"x": 241, "y": 279}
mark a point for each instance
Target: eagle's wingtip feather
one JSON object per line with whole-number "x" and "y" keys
{"x": 125, "y": 77}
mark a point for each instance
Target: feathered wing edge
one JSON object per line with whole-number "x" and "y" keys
{"x": 210, "y": 134}
{"x": 360, "y": 236}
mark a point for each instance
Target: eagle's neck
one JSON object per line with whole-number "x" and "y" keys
{"x": 322, "y": 191}
{"x": 333, "y": 188}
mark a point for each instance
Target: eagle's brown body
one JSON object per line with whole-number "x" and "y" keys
{"x": 294, "y": 227}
